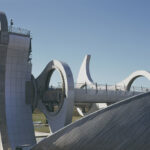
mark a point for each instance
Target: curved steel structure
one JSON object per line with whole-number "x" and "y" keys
{"x": 129, "y": 80}
{"x": 4, "y": 139}
{"x": 84, "y": 73}
{"x": 64, "y": 115}
{"x": 16, "y": 124}
{"x": 4, "y": 23}
{"x": 84, "y": 79}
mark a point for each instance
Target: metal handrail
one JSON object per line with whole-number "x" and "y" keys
{"x": 18, "y": 30}
{"x": 107, "y": 87}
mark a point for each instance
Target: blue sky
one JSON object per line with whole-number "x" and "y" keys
{"x": 115, "y": 32}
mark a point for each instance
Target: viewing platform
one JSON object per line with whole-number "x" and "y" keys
{"x": 19, "y": 31}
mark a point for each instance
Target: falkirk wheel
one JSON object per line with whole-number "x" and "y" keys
{"x": 21, "y": 92}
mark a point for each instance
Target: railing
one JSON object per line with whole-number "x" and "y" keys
{"x": 112, "y": 87}
{"x": 106, "y": 87}
{"x": 18, "y": 30}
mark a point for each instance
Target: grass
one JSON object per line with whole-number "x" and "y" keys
{"x": 39, "y": 117}
{"x": 75, "y": 118}
{"x": 44, "y": 129}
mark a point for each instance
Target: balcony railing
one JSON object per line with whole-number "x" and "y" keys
{"x": 18, "y": 30}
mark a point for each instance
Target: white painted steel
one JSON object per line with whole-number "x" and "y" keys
{"x": 84, "y": 77}
{"x": 131, "y": 78}
{"x": 64, "y": 116}
{"x": 18, "y": 71}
